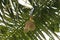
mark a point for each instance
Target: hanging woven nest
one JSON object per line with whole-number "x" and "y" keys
{"x": 29, "y": 25}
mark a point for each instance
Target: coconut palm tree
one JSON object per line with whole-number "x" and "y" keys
{"x": 17, "y": 24}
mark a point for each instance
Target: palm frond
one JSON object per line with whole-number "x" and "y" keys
{"x": 13, "y": 16}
